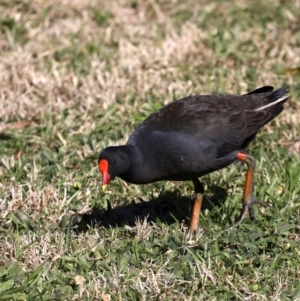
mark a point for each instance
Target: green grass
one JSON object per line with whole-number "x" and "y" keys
{"x": 78, "y": 77}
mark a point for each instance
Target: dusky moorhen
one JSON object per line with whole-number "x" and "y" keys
{"x": 192, "y": 137}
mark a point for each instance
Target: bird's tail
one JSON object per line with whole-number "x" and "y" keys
{"x": 276, "y": 97}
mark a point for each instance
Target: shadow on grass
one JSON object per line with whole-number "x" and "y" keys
{"x": 168, "y": 208}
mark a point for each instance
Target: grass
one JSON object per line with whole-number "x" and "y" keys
{"x": 79, "y": 76}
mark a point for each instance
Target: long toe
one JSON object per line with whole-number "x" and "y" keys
{"x": 249, "y": 210}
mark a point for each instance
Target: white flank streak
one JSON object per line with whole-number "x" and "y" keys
{"x": 272, "y": 103}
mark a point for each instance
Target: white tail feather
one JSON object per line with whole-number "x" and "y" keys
{"x": 272, "y": 103}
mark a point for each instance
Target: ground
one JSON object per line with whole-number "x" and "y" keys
{"x": 77, "y": 76}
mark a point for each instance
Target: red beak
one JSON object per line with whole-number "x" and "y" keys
{"x": 103, "y": 167}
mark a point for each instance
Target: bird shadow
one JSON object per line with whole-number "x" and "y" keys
{"x": 167, "y": 208}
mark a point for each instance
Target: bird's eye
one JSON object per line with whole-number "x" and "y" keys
{"x": 112, "y": 162}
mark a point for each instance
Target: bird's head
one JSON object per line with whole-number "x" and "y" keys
{"x": 113, "y": 161}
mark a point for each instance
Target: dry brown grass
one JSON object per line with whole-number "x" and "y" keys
{"x": 143, "y": 60}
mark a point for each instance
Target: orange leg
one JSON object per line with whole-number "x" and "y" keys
{"x": 199, "y": 190}
{"x": 248, "y": 200}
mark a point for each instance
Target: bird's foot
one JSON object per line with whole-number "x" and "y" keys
{"x": 248, "y": 210}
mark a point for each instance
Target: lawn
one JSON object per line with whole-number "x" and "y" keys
{"x": 77, "y": 76}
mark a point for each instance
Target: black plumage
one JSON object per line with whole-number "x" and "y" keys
{"x": 191, "y": 137}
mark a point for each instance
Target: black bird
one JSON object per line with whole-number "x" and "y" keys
{"x": 192, "y": 137}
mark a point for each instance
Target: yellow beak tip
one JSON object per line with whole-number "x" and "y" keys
{"x": 104, "y": 187}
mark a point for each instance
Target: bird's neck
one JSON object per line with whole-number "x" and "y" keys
{"x": 132, "y": 165}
